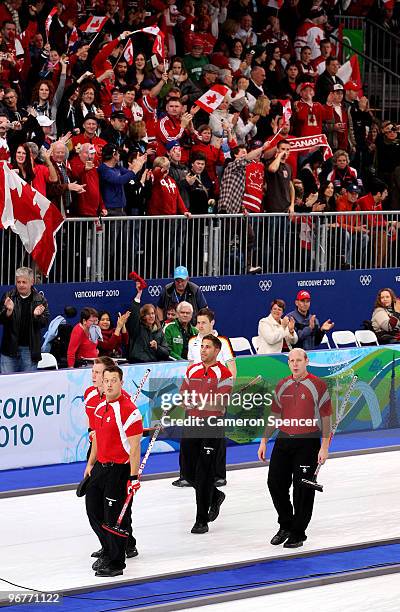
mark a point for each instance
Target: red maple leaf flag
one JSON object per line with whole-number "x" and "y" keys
{"x": 93, "y": 24}
{"x": 128, "y": 53}
{"x": 30, "y": 215}
{"x": 4, "y": 150}
{"x": 213, "y": 98}
{"x": 350, "y": 71}
{"x": 287, "y": 110}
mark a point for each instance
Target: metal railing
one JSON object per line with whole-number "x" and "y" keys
{"x": 212, "y": 245}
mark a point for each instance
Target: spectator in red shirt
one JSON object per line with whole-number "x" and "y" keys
{"x": 357, "y": 232}
{"x": 214, "y": 155}
{"x": 172, "y": 126}
{"x": 90, "y": 125}
{"x": 165, "y": 198}
{"x": 113, "y": 337}
{"x": 309, "y": 115}
{"x": 377, "y": 224}
{"x": 80, "y": 344}
{"x": 84, "y": 171}
{"x": 338, "y": 126}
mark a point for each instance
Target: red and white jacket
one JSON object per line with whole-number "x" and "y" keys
{"x": 114, "y": 423}
{"x": 168, "y": 129}
{"x": 309, "y": 118}
{"x": 149, "y": 106}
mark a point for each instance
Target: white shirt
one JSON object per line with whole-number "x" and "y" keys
{"x": 271, "y": 335}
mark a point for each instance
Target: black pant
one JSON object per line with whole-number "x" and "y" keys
{"x": 220, "y": 462}
{"x": 199, "y": 458}
{"x": 105, "y": 496}
{"x": 292, "y": 459}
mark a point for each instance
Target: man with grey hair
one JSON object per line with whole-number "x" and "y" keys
{"x": 179, "y": 332}
{"x": 301, "y": 412}
{"x": 60, "y": 192}
{"x": 23, "y": 314}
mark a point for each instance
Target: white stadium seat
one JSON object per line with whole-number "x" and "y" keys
{"x": 325, "y": 340}
{"x": 47, "y": 362}
{"x": 343, "y": 338}
{"x": 365, "y": 336}
{"x": 255, "y": 342}
{"x": 240, "y": 345}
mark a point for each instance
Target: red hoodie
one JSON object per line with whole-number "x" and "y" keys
{"x": 165, "y": 198}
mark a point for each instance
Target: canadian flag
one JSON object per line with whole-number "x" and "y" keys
{"x": 74, "y": 36}
{"x": 30, "y": 215}
{"x": 93, "y": 24}
{"x": 275, "y": 4}
{"x": 388, "y": 4}
{"x": 350, "y": 71}
{"x": 212, "y": 98}
{"x": 158, "y": 46}
{"x": 4, "y": 150}
{"x": 49, "y": 19}
{"x": 287, "y": 110}
{"x": 128, "y": 53}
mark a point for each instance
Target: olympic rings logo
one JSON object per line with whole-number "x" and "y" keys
{"x": 365, "y": 279}
{"x": 265, "y": 285}
{"x": 155, "y": 290}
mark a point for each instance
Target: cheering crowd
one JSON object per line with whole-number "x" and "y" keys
{"x": 229, "y": 106}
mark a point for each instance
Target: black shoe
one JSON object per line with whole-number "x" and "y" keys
{"x": 199, "y": 528}
{"x": 294, "y": 541}
{"x": 100, "y": 563}
{"x": 214, "y": 508}
{"x": 280, "y": 537}
{"x": 131, "y": 551}
{"x": 220, "y": 482}
{"x": 181, "y": 482}
{"x": 107, "y": 572}
{"x": 97, "y": 553}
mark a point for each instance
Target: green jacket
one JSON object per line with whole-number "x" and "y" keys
{"x": 178, "y": 339}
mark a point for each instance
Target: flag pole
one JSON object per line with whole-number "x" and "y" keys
{"x": 122, "y": 52}
{"x": 94, "y": 38}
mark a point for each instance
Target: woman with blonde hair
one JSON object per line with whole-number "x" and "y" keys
{"x": 147, "y": 342}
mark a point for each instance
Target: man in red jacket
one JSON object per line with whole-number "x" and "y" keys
{"x": 309, "y": 115}
{"x": 165, "y": 198}
{"x": 84, "y": 171}
{"x": 173, "y": 126}
{"x": 377, "y": 224}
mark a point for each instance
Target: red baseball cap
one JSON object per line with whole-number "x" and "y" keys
{"x": 304, "y": 85}
{"x": 351, "y": 86}
{"x": 303, "y": 295}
